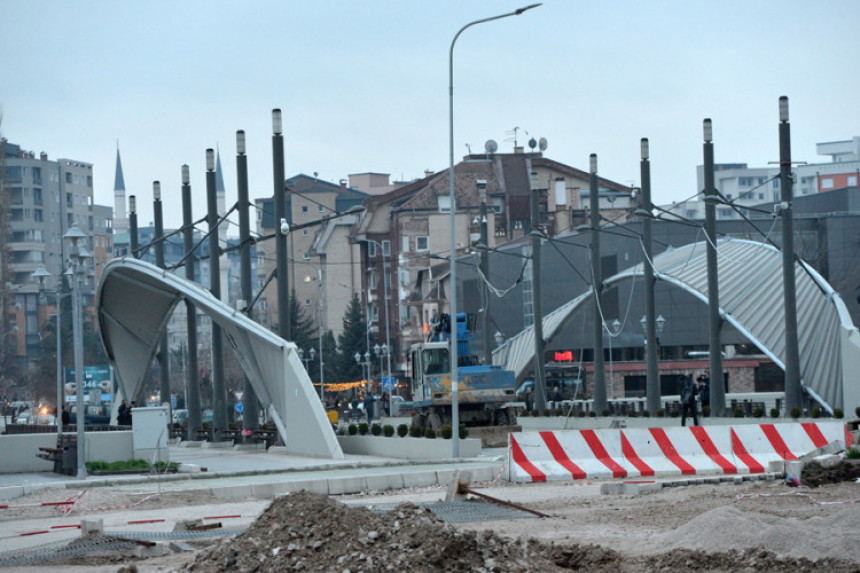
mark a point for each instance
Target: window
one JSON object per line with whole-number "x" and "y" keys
{"x": 386, "y": 248}
{"x": 306, "y": 257}
{"x": 444, "y": 204}
{"x": 371, "y": 249}
{"x": 372, "y": 281}
{"x": 827, "y": 183}
{"x": 37, "y": 215}
{"x": 305, "y": 232}
{"x": 304, "y": 208}
{"x": 404, "y": 244}
{"x": 852, "y": 180}
{"x": 422, "y": 243}
{"x": 307, "y": 302}
{"x": 320, "y": 208}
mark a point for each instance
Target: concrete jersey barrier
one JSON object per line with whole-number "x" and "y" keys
{"x": 663, "y": 452}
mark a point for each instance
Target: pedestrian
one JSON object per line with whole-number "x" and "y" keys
{"x": 556, "y": 396}
{"x": 704, "y": 390}
{"x": 688, "y": 392}
{"x": 386, "y": 403}
{"x": 369, "y": 402}
{"x": 123, "y": 414}
{"x": 530, "y": 392}
{"x": 67, "y": 419}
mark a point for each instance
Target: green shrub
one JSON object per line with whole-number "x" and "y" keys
{"x": 838, "y": 413}
{"x": 430, "y": 433}
{"x": 659, "y": 413}
{"x": 376, "y": 429}
{"x": 581, "y": 413}
{"x": 852, "y": 454}
{"x": 446, "y": 432}
{"x": 605, "y": 412}
{"x": 353, "y": 429}
{"x": 524, "y": 413}
{"x": 706, "y": 411}
{"x": 758, "y": 412}
{"x": 402, "y": 430}
{"x": 388, "y": 430}
{"x": 464, "y": 433}
{"x": 646, "y": 413}
{"x": 739, "y": 412}
{"x": 774, "y": 412}
{"x": 546, "y": 412}
{"x": 592, "y": 414}
{"x": 816, "y": 412}
{"x": 557, "y": 412}
{"x": 415, "y": 431}
{"x": 632, "y": 413}
{"x": 795, "y": 412}
{"x": 675, "y": 413}
{"x": 363, "y": 428}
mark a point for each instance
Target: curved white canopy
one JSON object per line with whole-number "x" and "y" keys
{"x": 134, "y": 302}
{"x": 751, "y": 300}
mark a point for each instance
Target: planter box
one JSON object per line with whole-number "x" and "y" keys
{"x": 407, "y": 448}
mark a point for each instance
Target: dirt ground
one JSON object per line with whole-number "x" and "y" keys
{"x": 754, "y": 526}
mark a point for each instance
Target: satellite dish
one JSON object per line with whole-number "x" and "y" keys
{"x": 542, "y": 144}
{"x": 491, "y": 146}
{"x": 532, "y": 143}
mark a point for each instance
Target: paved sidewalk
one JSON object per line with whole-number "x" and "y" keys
{"x": 230, "y": 473}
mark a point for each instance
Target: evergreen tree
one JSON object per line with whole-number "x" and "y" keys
{"x": 331, "y": 358}
{"x": 350, "y": 341}
{"x": 302, "y": 331}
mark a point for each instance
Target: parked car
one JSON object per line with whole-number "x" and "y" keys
{"x": 95, "y": 414}
{"x": 25, "y": 417}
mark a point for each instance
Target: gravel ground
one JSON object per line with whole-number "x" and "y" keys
{"x": 763, "y": 525}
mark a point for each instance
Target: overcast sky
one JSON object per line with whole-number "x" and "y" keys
{"x": 364, "y": 85}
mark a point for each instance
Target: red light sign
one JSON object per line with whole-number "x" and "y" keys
{"x": 563, "y": 356}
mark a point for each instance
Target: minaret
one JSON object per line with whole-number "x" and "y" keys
{"x": 221, "y": 200}
{"x": 120, "y": 215}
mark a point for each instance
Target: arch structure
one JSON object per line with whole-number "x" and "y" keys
{"x": 751, "y": 300}
{"x": 136, "y": 299}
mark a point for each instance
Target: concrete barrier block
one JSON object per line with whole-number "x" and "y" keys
{"x": 776, "y": 466}
{"x": 338, "y": 486}
{"x": 611, "y": 488}
{"x": 737, "y": 480}
{"x": 485, "y": 473}
{"x": 794, "y": 468}
{"x": 156, "y": 550}
{"x": 89, "y": 526}
{"x": 382, "y": 482}
{"x": 420, "y": 478}
{"x": 313, "y": 486}
{"x": 827, "y": 460}
{"x": 262, "y": 490}
{"x": 11, "y": 492}
{"x": 180, "y": 547}
{"x": 191, "y": 444}
{"x": 640, "y": 487}
{"x": 231, "y": 491}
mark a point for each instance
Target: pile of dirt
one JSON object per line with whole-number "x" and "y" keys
{"x": 814, "y": 474}
{"x": 312, "y": 532}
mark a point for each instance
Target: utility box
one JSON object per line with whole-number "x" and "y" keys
{"x": 150, "y": 433}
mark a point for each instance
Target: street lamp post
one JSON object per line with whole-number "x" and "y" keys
{"x": 455, "y": 406}
{"x": 659, "y": 323}
{"x": 41, "y": 274}
{"x": 612, "y": 329}
{"x": 309, "y": 358}
{"x": 78, "y": 254}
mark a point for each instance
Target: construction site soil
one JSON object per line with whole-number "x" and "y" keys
{"x": 753, "y": 526}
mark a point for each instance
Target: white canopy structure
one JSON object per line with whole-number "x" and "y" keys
{"x": 751, "y": 300}
{"x": 136, "y": 299}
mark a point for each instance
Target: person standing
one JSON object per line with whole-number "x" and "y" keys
{"x": 529, "y": 398}
{"x": 704, "y": 390}
{"x": 386, "y": 403}
{"x": 688, "y": 392}
{"x": 123, "y": 414}
{"x": 66, "y": 418}
{"x": 369, "y": 402}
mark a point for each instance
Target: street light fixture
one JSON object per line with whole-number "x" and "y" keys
{"x": 78, "y": 255}
{"x": 612, "y": 329}
{"x": 455, "y": 406}
{"x": 41, "y": 274}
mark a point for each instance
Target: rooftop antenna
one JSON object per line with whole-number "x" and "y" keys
{"x": 514, "y": 131}
{"x": 491, "y": 146}
{"x": 469, "y": 148}
{"x": 542, "y": 144}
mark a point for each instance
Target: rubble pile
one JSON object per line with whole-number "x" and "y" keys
{"x": 312, "y": 532}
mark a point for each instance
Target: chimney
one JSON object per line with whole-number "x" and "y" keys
{"x": 428, "y": 172}
{"x": 518, "y": 149}
{"x": 343, "y": 183}
{"x": 43, "y": 156}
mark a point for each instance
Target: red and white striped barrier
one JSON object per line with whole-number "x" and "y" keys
{"x": 649, "y": 452}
